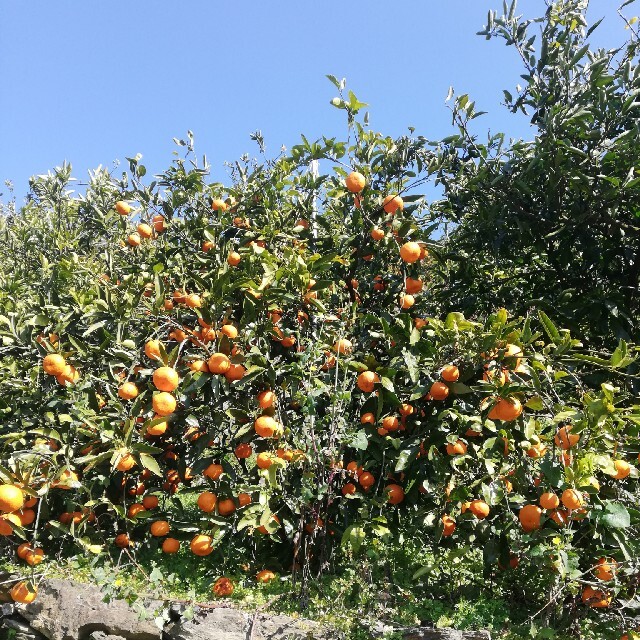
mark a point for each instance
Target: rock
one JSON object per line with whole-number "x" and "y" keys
{"x": 217, "y": 624}
{"x": 286, "y": 628}
{"x": 424, "y": 633}
{"x": 101, "y": 635}
{"x": 7, "y": 609}
{"x": 16, "y": 628}
{"x": 17, "y": 624}
{"x": 68, "y": 611}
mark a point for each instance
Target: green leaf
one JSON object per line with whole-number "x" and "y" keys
{"x": 150, "y": 463}
{"x": 360, "y": 440}
{"x": 550, "y": 328}
{"x": 615, "y": 516}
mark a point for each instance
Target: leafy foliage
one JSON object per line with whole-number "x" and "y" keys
{"x": 395, "y": 416}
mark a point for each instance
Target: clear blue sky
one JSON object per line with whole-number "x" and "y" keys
{"x": 92, "y": 82}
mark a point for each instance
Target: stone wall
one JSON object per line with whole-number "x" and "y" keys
{"x": 66, "y": 610}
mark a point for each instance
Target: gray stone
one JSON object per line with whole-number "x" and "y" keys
{"x": 7, "y": 609}
{"x": 216, "y": 624}
{"x": 69, "y": 611}
{"x": 445, "y": 634}
{"x": 17, "y": 624}
{"x": 286, "y": 628}
{"x": 101, "y": 635}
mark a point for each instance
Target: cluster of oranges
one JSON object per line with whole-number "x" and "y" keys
{"x": 222, "y": 391}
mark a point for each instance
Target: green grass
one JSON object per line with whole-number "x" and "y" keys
{"x": 356, "y": 597}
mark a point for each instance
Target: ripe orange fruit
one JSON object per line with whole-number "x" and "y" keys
{"x": 135, "y": 509}
{"x": 219, "y": 363}
{"x": 267, "y": 427}
{"x": 70, "y": 375}
{"x": 34, "y": 557}
{"x": 366, "y": 480}
{"x": 213, "y": 471}
{"x": 560, "y": 517}
{"x": 226, "y": 507}
{"x": 23, "y": 549}
{"x": 606, "y": 569}
{"x": 230, "y": 331}
{"x": 413, "y": 285}
{"x": 207, "y": 501}
{"x": 395, "y": 493}
{"x": 565, "y": 439}
{"x": 392, "y": 203}
{"x": 170, "y": 545}
{"x": 479, "y": 508}
{"x": 233, "y": 259}
{"x": 537, "y": 450}
{"x": 390, "y": 423}
{"x": 235, "y": 372}
{"x": 134, "y": 239}
{"x": 11, "y": 498}
{"x": 122, "y": 541}
{"x": 596, "y": 598}
{"x": 243, "y": 450}
{"x": 128, "y": 391}
{"x": 264, "y": 460}
{"x": 571, "y": 499}
{"x": 144, "y": 230}
{"x": 623, "y": 469}
{"x": 218, "y": 204}
{"x": 367, "y": 381}
{"x": 513, "y": 352}
{"x": 457, "y": 448}
{"x": 166, "y": 379}
{"x": 193, "y": 301}
{"x": 199, "y": 366}
{"x": 244, "y": 499}
{"x": 449, "y": 525}
{"x": 439, "y": 391}
{"x": 377, "y": 234}
{"x": 406, "y": 301}
{"x": 163, "y": 403}
{"x": 23, "y": 592}
{"x": 159, "y": 528}
{"x": 54, "y": 364}
{"x": 201, "y": 545}
{"x": 6, "y": 529}
{"x": 266, "y": 399}
{"x": 157, "y": 429}
{"x": 152, "y": 349}
{"x": 223, "y": 587}
{"x": 343, "y": 346}
{"x": 529, "y": 517}
{"x": 549, "y": 501}
{"x": 150, "y": 502}
{"x": 450, "y": 373}
{"x": 126, "y": 462}
{"x": 265, "y": 576}
{"x": 123, "y": 208}
{"x": 367, "y": 418}
{"x": 349, "y": 489}
{"x": 158, "y": 222}
{"x": 506, "y": 410}
{"x": 410, "y": 252}
{"x": 355, "y": 182}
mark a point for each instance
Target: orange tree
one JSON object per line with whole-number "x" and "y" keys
{"x": 257, "y": 370}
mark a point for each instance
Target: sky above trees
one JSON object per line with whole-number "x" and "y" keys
{"x": 92, "y": 83}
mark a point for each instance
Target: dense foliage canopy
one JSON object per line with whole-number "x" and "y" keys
{"x": 292, "y": 370}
